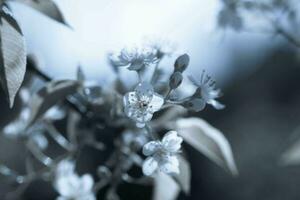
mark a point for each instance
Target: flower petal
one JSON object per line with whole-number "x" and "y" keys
{"x": 87, "y": 183}
{"x": 90, "y": 196}
{"x": 149, "y": 166}
{"x": 156, "y": 103}
{"x": 150, "y": 148}
{"x": 67, "y": 186}
{"x": 144, "y": 90}
{"x": 65, "y": 167}
{"x": 171, "y": 142}
{"x": 217, "y": 105}
{"x": 170, "y": 166}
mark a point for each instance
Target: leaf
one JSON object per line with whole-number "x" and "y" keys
{"x": 292, "y": 155}
{"x": 50, "y": 95}
{"x": 13, "y": 55}
{"x": 165, "y": 188}
{"x": 182, "y": 63}
{"x": 184, "y": 177}
{"x": 207, "y": 140}
{"x": 46, "y": 7}
{"x": 80, "y": 75}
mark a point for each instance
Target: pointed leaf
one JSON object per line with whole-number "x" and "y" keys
{"x": 208, "y": 140}
{"x": 292, "y": 155}
{"x": 13, "y": 55}
{"x": 48, "y": 8}
{"x": 184, "y": 177}
{"x": 165, "y": 188}
{"x": 50, "y": 95}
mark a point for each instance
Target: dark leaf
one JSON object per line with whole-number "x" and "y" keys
{"x": 207, "y": 140}
{"x": 13, "y": 55}
{"x": 47, "y": 7}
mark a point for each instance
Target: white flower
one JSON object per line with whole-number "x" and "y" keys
{"x": 136, "y": 58}
{"x": 142, "y": 103}
{"x": 70, "y": 186}
{"x": 65, "y": 167}
{"x": 207, "y": 91}
{"x": 162, "y": 46}
{"x": 162, "y": 154}
{"x": 73, "y": 187}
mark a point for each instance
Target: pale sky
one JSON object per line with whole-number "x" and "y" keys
{"x": 104, "y": 25}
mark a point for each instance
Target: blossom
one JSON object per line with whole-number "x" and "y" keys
{"x": 65, "y": 167}
{"x": 135, "y": 58}
{"x": 162, "y": 154}
{"x": 70, "y": 186}
{"x": 206, "y": 91}
{"x": 162, "y": 46}
{"x": 142, "y": 103}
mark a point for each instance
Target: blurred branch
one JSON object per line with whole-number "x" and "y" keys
{"x": 69, "y": 101}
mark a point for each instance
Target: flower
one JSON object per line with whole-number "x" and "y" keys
{"x": 65, "y": 167}
{"x": 162, "y": 46}
{"x": 135, "y": 58}
{"x": 70, "y": 186}
{"x": 206, "y": 90}
{"x": 142, "y": 103}
{"x": 162, "y": 154}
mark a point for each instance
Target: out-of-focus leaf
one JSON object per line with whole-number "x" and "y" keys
{"x": 47, "y": 7}
{"x": 208, "y": 140}
{"x": 165, "y": 188}
{"x": 13, "y": 55}
{"x": 49, "y": 95}
{"x": 80, "y": 75}
{"x": 230, "y": 18}
{"x": 182, "y": 63}
{"x": 184, "y": 177}
{"x": 292, "y": 155}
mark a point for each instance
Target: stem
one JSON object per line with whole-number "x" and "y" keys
{"x": 4, "y": 170}
{"x": 287, "y": 36}
{"x": 155, "y": 71}
{"x": 151, "y": 133}
{"x": 62, "y": 141}
{"x": 38, "y": 154}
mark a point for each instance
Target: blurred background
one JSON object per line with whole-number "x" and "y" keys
{"x": 259, "y": 74}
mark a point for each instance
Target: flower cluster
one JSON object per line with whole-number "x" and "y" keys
{"x": 125, "y": 123}
{"x": 70, "y": 186}
{"x": 135, "y": 58}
